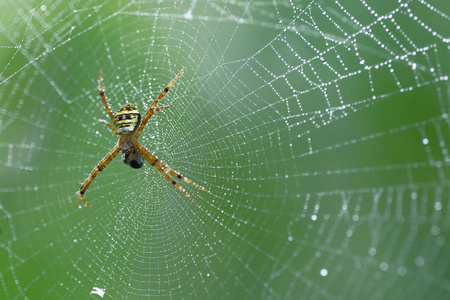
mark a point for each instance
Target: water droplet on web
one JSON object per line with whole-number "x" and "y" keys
{"x": 419, "y": 261}
{"x": 384, "y": 266}
{"x": 188, "y": 15}
{"x": 437, "y": 205}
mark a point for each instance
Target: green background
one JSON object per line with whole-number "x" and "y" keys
{"x": 320, "y": 127}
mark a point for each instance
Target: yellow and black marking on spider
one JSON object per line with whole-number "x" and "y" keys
{"x": 128, "y": 128}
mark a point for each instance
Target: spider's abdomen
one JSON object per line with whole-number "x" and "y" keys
{"x": 133, "y": 159}
{"x": 127, "y": 119}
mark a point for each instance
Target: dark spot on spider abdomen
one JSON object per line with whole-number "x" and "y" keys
{"x": 136, "y": 164}
{"x": 133, "y": 159}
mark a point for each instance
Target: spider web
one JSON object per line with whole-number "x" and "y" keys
{"x": 321, "y": 129}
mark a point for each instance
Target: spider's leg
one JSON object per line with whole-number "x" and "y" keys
{"x": 150, "y": 112}
{"x": 171, "y": 171}
{"x": 155, "y": 162}
{"x": 179, "y": 176}
{"x": 101, "y": 165}
{"x": 159, "y": 108}
{"x": 105, "y": 101}
{"x": 104, "y": 122}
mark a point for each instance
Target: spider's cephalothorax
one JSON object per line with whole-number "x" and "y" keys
{"x": 128, "y": 128}
{"x": 127, "y": 119}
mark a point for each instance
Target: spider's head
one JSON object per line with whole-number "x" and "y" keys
{"x": 127, "y": 119}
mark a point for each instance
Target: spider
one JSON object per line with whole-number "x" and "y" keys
{"x": 127, "y": 129}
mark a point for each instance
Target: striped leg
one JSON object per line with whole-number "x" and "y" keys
{"x": 101, "y": 165}
{"x": 150, "y": 112}
{"x": 105, "y": 101}
{"x": 155, "y": 162}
